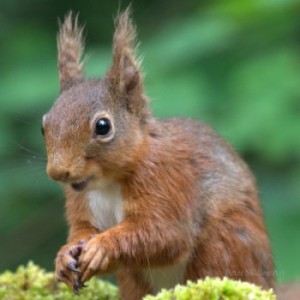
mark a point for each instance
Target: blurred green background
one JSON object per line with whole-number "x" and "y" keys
{"x": 233, "y": 64}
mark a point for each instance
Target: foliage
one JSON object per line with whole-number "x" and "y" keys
{"x": 33, "y": 283}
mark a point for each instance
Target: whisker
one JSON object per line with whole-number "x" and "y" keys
{"x": 25, "y": 149}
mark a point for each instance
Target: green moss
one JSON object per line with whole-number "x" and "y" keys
{"x": 33, "y": 283}
{"x": 215, "y": 289}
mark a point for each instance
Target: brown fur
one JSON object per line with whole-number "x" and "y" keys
{"x": 70, "y": 47}
{"x": 188, "y": 200}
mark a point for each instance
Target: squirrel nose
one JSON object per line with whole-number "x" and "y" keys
{"x": 57, "y": 173}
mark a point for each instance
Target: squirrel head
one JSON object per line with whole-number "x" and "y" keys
{"x": 96, "y": 128}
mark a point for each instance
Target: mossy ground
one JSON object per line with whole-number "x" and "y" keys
{"x": 33, "y": 283}
{"x": 214, "y": 289}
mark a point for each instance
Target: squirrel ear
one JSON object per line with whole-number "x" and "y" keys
{"x": 125, "y": 69}
{"x": 70, "y": 48}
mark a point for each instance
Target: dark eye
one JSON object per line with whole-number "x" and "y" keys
{"x": 102, "y": 127}
{"x": 42, "y": 130}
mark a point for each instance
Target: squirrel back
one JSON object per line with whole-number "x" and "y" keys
{"x": 158, "y": 202}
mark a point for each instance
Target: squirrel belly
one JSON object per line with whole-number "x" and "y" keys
{"x": 164, "y": 278}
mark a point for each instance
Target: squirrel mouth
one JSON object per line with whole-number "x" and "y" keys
{"x": 79, "y": 185}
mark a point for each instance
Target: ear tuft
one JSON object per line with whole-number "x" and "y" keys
{"x": 125, "y": 69}
{"x": 131, "y": 76}
{"x": 70, "y": 48}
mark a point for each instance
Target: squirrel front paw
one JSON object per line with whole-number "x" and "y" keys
{"x": 98, "y": 256}
{"x": 66, "y": 265}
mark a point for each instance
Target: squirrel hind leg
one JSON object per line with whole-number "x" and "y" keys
{"x": 241, "y": 254}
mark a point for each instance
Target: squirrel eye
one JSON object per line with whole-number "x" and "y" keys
{"x": 102, "y": 127}
{"x": 42, "y": 130}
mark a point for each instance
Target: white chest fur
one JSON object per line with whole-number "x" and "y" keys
{"x": 106, "y": 206}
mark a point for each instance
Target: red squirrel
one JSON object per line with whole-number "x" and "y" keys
{"x": 157, "y": 202}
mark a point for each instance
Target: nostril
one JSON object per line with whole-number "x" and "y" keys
{"x": 65, "y": 175}
{"x": 58, "y": 174}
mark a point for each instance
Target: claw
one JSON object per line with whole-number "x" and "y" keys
{"x": 76, "y": 286}
{"x": 75, "y": 290}
{"x": 81, "y": 285}
{"x": 72, "y": 266}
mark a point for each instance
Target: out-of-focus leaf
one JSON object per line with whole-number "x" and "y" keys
{"x": 189, "y": 39}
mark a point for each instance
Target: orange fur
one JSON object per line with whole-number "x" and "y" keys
{"x": 189, "y": 206}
